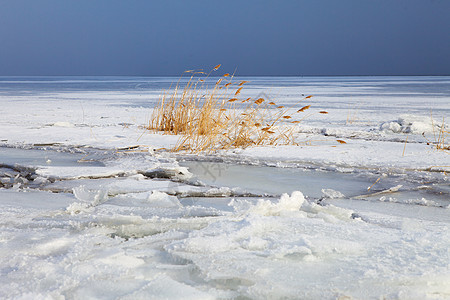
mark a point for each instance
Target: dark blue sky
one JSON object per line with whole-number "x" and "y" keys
{"x": 144, "y": 37}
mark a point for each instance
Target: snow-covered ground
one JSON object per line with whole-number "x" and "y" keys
{"x": 93, "y": 206}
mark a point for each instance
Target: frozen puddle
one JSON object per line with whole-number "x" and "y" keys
{"x": 275, "y": 181}
{"x": 28, "y": 167}
{"x": 41, "y": 168}
{"x": 34, "y": 158}
{"x": 319, "y": 184}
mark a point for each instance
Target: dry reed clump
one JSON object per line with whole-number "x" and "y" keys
{"x": 220, "y": 118}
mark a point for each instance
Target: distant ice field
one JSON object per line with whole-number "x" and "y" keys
{"x": 397, "y": 86}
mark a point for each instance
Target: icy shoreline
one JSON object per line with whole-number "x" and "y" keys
{"x": 93, "y": 206}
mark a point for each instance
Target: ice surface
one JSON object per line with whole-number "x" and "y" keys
{"x": 94, "y": 206}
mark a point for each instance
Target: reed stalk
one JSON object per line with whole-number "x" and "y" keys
{"x": 211, "y": 119}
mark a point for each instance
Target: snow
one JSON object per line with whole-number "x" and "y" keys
{"x": 414, "y": 125}
{"x": 93, "y": 206}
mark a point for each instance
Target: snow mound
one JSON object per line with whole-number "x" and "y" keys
{"x": 161, "y": 199}
{"x": 268, "y": 208}
{"x": 332, "y": 194}
{"x": 62, "y": 124}
{"x": 88, "y": 200}
{"x": 417, "y": 201}
{"x": 296, "y": 204}
{"x": 95, "y": 197}
{"x": 411, "y": 124}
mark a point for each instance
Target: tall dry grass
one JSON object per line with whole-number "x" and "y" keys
{"x": 211, "y": 119}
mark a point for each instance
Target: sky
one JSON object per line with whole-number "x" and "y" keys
{"x": 259, "y": 38}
